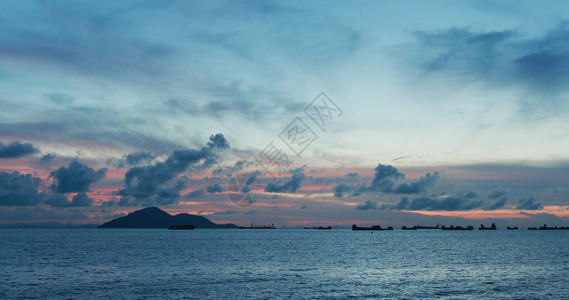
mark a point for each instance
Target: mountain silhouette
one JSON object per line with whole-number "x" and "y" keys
{"x": 154, "y": 217}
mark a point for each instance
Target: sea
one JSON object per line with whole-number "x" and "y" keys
{"x": 282, "y": 264}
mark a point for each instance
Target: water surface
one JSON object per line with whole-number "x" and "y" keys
{"x": 281, "y": 263}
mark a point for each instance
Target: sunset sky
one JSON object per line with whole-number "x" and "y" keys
{"x": 391, "y": 113}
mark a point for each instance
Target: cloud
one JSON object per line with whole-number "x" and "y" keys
{"x": 195, "y": 194}
{"x": 76, "y": 178}
{"x": 81, "y": 200}
{"x": 367, "y": 205}
{"x": 45, "y": 161}
{"x": 105, "y": 54}
{"x": 497, "y": 194}
{"x": 538, "y": 64}
{"x": 340, "y": 189}
{"x": 290, "y": 186}
{"x": 110, "y": 203}
{"x": 158, "y": 183}
{"x": 228, "y": 171}
{"x": 225, "y": 212}
{"x": 436, "y": 204}
{"x": 498, "y": 204}
{"x": 545, "y": 218}
{"x": 384, "y": 178}
{"x": 418, "y": 187}
{"x": 60, "y": 200}
{"x": 18, "y": 189}
{"x": 39, "y": 213}
{"x": 529, "y": 204}
{"x": 384, "y": 181}
{"x": 139, "y": 157}
{"x": 469, "y": 195}
{"x": 353, "y": 175}
{"x": 16, "y": 150}
{"x": 215, "y": 188}
{"x": 403, "y": 204}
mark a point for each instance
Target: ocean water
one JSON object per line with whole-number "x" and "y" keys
{"x": 282, "y": 263}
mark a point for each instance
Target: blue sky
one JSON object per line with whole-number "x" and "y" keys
{"x": 468, "y": 89}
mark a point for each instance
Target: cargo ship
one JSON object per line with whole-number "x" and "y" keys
{"x": 544, "y": 227}
{"x": 374, "y": 227}
{"x": 457, "y": 228}
{"x": 438, "y": 226}
{"x": 270, "y": 226}
{"x": 482, "y": 227}
{"x": 409, "y": 228}
{"x": 181, "y": 227}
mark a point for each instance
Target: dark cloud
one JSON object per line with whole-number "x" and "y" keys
{"x": 110, "y": 203}
{"x": 45, "y": 161}
{"x": 353, "y": 175}
{"x": 538, "y": 64}
{"x": 403, "y": 204}
{"x": 436, "y": 204}
{"x": 225, "y": 212}
{"x": 251, "y": 181}
{"x": 497, "y": 194}
{"x": 340, "y": 189}
{"x": 529, "y": 204}
{"x": 60, "y": 200}
{"x": 139, "y": 157}
{"x": 498, "y": 204}
{"x": 360, "y": 189}
{"x": 195, "y": 194}
{"x": 461, "y": 49}
{"x": 418, "y": 187}
{"x": 384, "y": 178}
{"x": 250, "y": 212}
{"x": 157, "y": 184}
{"x": 76, "y": 178}
{"x": 214, "y": 188}
{"x": 367, "y": 205}
{"x": 228, "y": 171}
{"x": 18, "y": 189}
{"x": 469, "y": 195}
{"x": 39, "y": 213}
{"x": 16, "y": 150}
{"x": 384, "y": 181}
{"x": 290, "y": 186}
{"x": 81, "y": 200}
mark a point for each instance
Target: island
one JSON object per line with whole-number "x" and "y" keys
{"x": 154, "y": 217}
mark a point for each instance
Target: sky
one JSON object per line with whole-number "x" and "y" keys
{"x": 379, "y": 112}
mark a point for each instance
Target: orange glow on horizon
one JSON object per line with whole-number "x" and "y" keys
{"x": 478, "y": 214}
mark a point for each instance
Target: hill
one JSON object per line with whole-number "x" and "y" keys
{"x": 154, "y": 217}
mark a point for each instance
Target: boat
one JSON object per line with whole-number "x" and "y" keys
{"x": 374, "y": 228}
{"x": 457, "y": 228}
{"x": 409, "y": 228}
{"x": 181, "y": 227}
{"x": 319, "y": 228}
{"x": 512, "y": 228}
{"x": 482, "y": 227}
{"x": 270, "y": 226}
{"x": 544, "y": 227}
{"x": 438, "y": 226}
